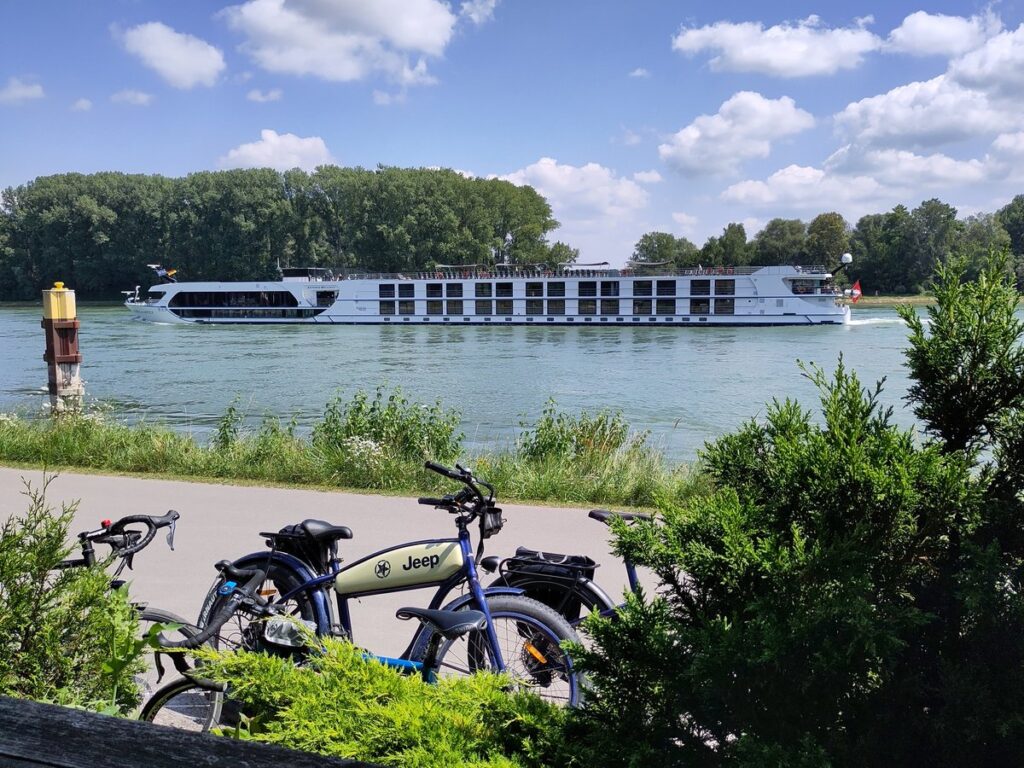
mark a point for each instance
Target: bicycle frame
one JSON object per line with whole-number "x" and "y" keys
{"x": 315, "y": 586}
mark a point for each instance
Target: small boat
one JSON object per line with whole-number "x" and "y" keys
{"x": 572, "y": 294}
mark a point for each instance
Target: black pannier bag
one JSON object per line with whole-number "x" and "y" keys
{"x": 549, "y": 577}
{"x": 295, "y": 540}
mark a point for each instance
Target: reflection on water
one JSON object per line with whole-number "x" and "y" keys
{"x": 685, "y": 385}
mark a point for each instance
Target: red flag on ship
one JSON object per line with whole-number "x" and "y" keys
{"x": 855, "y": 292}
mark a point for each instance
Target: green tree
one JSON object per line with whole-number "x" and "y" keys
{"x": 781, "y": 241}
{"x": 849, "y": 595}
{"x": 828, "y": 239}
{"x": 655, "y": 248}
{"x": 1011, "y": 216}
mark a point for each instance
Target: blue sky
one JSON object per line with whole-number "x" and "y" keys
{"x": 628, "y": 116}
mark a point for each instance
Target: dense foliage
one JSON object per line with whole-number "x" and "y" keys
{"x": 894, "y": 252}
{"x": 374, "y": 442}
{"x": 67, "y": 638}
{"x": 342, "y": 705}
{"x": 849, "y": 595}
{"x": 97, "y": 232}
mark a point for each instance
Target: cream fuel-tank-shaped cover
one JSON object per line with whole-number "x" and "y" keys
{"x": 412, "y": 565}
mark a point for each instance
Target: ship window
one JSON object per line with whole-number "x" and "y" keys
{"x": 667, "y": 287}
{"x": 804, "y": 286}
{"x": 666, "y": 306}
{"x": 503, "y": 290}
{"x": 434, "y": 307}
{"x": 700, "y": 306}
{"x": 642, "y": 306}
{"x": 609, "y": 288}
{"x": 386, "y": 290}
{"x": 588, "y": 288}
{"x": 556, "y": 289}
{"x": 433, "y": 290}
{"x": 535, "y": 289}
{"x": 534, "y": 307}
{"x": 483, "y": 290}
{"x": 642, "y": 287}
{"x": 725, "y": 288}
{"x": 454, "y": 290}
{"x": 387, "y": 308}
{"x": 588, "y": 306}
{"x": 407, "y": 307}
{"x": 233, "y": 299}
{"x": 455, "y": 307}
{"x": 725, "y": 306}
{"x": 700, "y": 287}
{"x": 406, "y": 291}
{"x": 503, "y": 306}
{"x": 610, "y": 306}
{"x": 556, "y": 306}
{"x": 483, "y": 307}
{"x": 325, "y": 298}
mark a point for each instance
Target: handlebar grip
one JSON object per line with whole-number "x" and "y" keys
{"x": 431, "y": 502}
{"x": 152, "y": 523}
{"x": 248, "y": 590}
{"x": 442, "y": 470}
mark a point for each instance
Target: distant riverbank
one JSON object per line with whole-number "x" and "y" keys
{"x": 916, "y": 300}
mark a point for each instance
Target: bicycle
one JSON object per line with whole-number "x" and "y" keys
{"x": 124, "y": 544}
{"x": 565, "y": 583}
{"x": 195, "y": 703}
{"x": 522, "y": 636}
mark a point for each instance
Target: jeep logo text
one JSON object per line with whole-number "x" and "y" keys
{"x": 422, "y": 562}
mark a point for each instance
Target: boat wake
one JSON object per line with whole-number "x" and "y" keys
{"x": 876, "y": 321}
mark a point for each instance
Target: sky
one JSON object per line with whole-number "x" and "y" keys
{"x": 629, "y": 117}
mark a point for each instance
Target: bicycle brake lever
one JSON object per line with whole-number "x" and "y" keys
{"x": 128, "y": 561}
{"x": 170, "y": 534}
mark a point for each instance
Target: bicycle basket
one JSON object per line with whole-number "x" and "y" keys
{"x": 491, "y": 522}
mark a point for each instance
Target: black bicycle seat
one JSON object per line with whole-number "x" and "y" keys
{"x": 321, "y": 530}
{"x": 450, "y": 624}
{"x": 604, "y": 515}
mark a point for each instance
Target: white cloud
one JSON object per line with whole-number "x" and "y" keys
{"x": 647, "y": 177}
{"x": 997, "y": 68}
{"x": 900, "y": 169}
{"x": 928, "y": 34}
{"x": 631, "y": 138}
{"x": 129, "y": 96}
{"x": 184, "y": 61}
{"x": 478, "y": 11}
{"x": 687, "y": 223}
{"x": 345, "y": 40}
{"x": 81, "y": 105}
{"x": 16, "y": 91}
{"x": 744, "y": 127}
{"x": 588, "y": 190}
{"x": 281, "y": 151}
{"x": 1009, "y": 143}
{"x": 385, "y": 99}
{"x": 274, "y": 94}
{"x": 639, "y": 72}
{"x": 785, "y": 50}
{"x": 924, "y": 114}
{"x": 803, "y": 188}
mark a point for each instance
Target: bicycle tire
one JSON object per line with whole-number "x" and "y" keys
{"x": 529, "y": 635}
{"x": 233, "y": 635}
{"x": 151, "y": 678}
{"x": 185, "y": 705}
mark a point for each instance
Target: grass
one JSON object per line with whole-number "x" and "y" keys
{"x": 916, "y": 300}
{"x": 370, "y": 443}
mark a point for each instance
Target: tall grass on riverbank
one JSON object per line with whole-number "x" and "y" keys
{"x": 372, "y": 442}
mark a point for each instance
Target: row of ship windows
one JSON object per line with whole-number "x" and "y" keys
{"x": 556, "y": 289}
{"x": 557, "y": 307}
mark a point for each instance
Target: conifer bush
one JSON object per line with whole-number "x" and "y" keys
{"x": 850, "y": 594}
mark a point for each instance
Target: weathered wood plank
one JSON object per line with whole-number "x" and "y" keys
{"x": 34, "y": 734}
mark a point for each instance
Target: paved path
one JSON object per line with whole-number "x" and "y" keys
{"x": 223, "y": 521}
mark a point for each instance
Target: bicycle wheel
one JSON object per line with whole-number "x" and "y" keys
{"x": 529, "y": 634}
{"x": 159, "y": 666}
{"x": 235, "y": 634}
{"x": 184, "y": 705}
{"x": 573, "y": 600}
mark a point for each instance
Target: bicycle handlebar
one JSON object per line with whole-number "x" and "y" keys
{"x": 153, "y": 523}
{"x": 254, "y": 578}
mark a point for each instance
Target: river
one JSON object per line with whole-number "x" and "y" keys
{"x": 684, "y": 385}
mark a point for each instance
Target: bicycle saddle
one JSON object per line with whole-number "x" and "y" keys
{"x": 321, "y": 530}
{"x": 450, "y": 624}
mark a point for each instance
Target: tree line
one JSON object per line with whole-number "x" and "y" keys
{"x": 97, "y": 232}
{"x": 894, "y": 252}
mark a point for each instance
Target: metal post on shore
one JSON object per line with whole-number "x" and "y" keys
{"x": 60, "y": 324}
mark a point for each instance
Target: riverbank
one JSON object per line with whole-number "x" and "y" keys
{"x": 370, "y": 443}
{"x": 895, "y": 301}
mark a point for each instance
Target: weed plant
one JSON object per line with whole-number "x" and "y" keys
{"x": 371, "y": 442}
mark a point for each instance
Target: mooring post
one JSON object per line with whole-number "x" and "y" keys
{"x": 60, "y": 325}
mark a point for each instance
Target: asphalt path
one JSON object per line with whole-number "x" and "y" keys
{"x": 223, "y": 522}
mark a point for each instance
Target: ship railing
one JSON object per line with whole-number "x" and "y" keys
{"x": 499, "y": 272}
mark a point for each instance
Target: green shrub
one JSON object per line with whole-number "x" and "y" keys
{"x": 341, "y": 705}
{"x": 562, "y": 435}
{"x": 847, "y": 596}
{"x": 67, "y": 638}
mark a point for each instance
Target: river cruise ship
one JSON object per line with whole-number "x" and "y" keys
{"x": 504, "y": 295}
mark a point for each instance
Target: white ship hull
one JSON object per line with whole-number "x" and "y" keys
{"x": 747, "y": 296}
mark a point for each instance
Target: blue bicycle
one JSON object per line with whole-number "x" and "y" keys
{"x": 521, "y": 637}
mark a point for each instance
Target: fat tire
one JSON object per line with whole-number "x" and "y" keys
{"x": 185, "y": 705}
